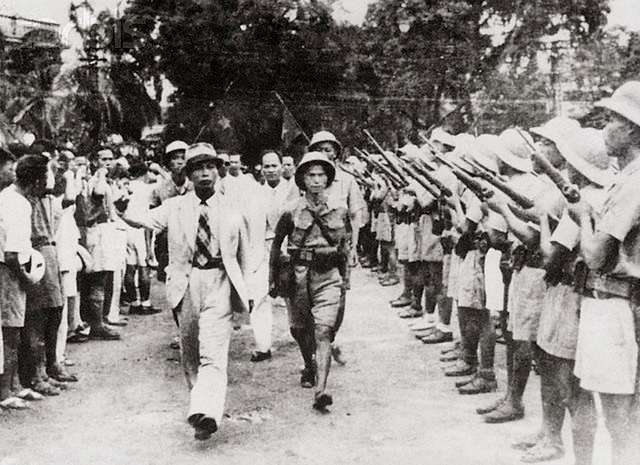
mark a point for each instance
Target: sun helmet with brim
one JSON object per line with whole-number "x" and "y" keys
{"x": 625, "y": 101}
{"x": 314, "y": 158}
{"x": 324, "y": 136}
{"x": 586, "y": 152}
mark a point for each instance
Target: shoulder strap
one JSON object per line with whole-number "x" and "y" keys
{"x": 323, "y": 229}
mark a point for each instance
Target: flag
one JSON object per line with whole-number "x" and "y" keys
{"x": 291, "y": 130}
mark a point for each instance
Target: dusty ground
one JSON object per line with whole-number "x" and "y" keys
{"x": 392, "y": 403}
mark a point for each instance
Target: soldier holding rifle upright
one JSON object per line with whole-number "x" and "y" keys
{"x": 607, "y": 354}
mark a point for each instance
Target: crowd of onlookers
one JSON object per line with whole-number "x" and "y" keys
{"x": 70, "y": 268}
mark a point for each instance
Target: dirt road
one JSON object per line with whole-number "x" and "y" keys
{"x": 392, "y": 404}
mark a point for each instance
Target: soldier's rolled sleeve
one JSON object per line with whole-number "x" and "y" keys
{"x": 622, "y": 212}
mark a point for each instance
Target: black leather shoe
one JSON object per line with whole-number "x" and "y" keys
{"x": 308, "y": 377}
{"x": 260, "y": 356}
{"x": 204, "y": 426}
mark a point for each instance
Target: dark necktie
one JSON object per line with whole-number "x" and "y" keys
{"x": 203, "y": 238}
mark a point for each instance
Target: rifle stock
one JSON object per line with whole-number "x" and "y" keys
{"x": 432, "y": 179}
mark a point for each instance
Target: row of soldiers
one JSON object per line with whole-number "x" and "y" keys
{"x": 535, "y": 232}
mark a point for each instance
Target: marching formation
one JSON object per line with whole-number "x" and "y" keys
{"x": 532, "y": 234}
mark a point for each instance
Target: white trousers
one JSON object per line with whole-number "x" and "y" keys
{"x": 262, "y": 313}
{"x": 205, "y": 331}
{"x": 262, "y": 323}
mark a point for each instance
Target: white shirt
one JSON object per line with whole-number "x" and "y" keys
{"x": 15, "y": 224}
{"x": 275, "y": 199}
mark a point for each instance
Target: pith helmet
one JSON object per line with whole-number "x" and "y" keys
{"x": 585, "y": 151}
{"x": 625, "y": 101}
{"x": 556, "y": 129}
{"x": 516, "y": 153}
{"x": 314, "y": 158}
{"x": 442, "y": 136}
{"x": 324, "y": 136}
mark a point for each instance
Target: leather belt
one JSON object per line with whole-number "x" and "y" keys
{"x": 607, "y": 286}
{"x": 216, "y": 263}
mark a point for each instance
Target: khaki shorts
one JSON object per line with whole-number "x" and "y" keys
{"x": 317, "y": 298}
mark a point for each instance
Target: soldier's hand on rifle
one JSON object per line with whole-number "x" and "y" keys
{"x": 497, "y": 202}
{"x": 579, "y": 210}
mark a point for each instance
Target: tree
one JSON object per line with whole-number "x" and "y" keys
{"x": 451, "y": 49}
{"x": 227, "y": 58}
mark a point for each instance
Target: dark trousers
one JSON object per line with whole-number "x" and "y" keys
{"x": 95, "y": 297}
{"x": 430, "y": 276}
{"x": 477, "y": 330}
{"x": 367, "y": 245}
{"x": 560, "y": 391}
{"x": 11, "y": 343}
{"x": 144, "y": 283}
{"x": 38, "y": 344}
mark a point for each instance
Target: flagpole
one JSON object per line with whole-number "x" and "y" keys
{"x": 294, "y": 118}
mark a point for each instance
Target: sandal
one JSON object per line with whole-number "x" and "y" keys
{"x": 14, "y": 403}
{"x": 29, "y": 394}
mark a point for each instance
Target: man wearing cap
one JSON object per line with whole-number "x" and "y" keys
{"x": 205, "y": 281}
{"x": 173, "y": 185}
{"x": 15, "y": 248}
{"x": 611, "y": 290}
{"x": 316, "y": 226}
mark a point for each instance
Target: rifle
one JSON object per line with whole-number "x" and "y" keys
{"x": 420, "y": 168}
{"x": 388, "y": 159}
{"x": 389, "y": 168}
{"x": 420, "y": 180}
{"x": 386, "y": 174}
{"x": 569, "y": 191}
{"x": 474, "y": 186}
{"x": 360, "y": 179}
{"x": 488, "y": 176}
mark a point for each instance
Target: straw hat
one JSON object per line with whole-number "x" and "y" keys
{"x": 625, "y": 101}
{"x": 314, "y": 158}
{"x": 585, "y": 151}
{"x": 557, "y": 128}
{"x": 514, "y": 151}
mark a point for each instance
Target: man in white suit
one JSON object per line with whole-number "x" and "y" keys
{"x": 205, "y": 281}
{"x": 267, "y": 205}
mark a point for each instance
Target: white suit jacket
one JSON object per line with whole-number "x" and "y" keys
{"x": 179, "y": 216}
